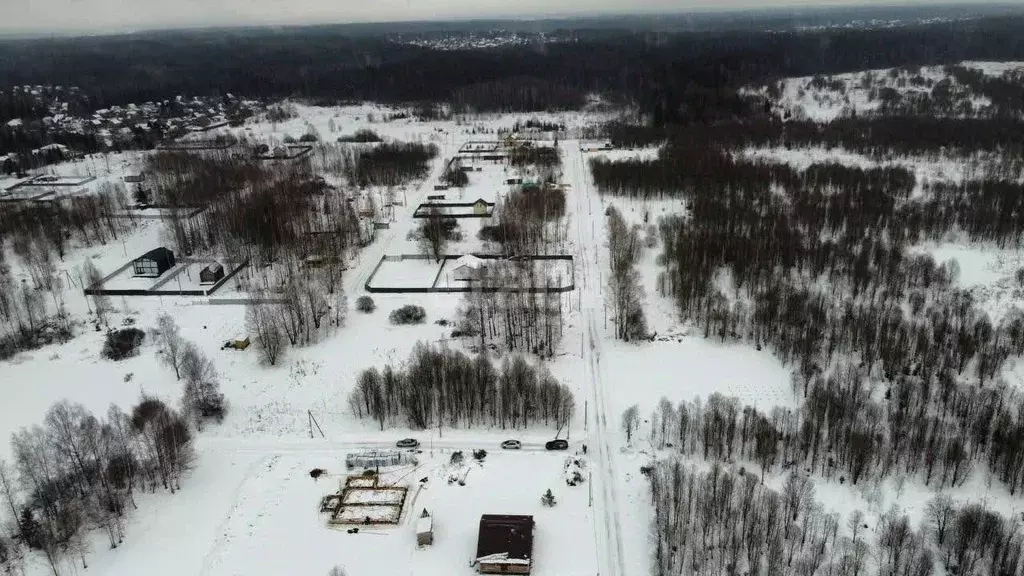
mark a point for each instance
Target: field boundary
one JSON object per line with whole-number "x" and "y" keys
{"x": 422, "y": 210}
{"x": 434, "y": 289}
{"x": 183, "y": 263}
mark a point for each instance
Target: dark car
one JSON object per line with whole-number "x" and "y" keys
{"x": 408, "y": 443}
{"x": 557, "y": 445}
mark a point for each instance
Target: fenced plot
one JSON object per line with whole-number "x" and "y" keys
{"x": 405, "y": 271}
{"x": 416, "y": 273}
{"x": 479, "y": 209}
{"x": 363, "y": 501}
{"x": 182, "y": 280}
{"x": 52, "y": 181}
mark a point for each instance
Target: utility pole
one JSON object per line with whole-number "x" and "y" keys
{"x": 586, "y": 404}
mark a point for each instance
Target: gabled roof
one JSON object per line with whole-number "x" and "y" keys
{"x": 160, "y": 253}
{"x": 425, "y": 523}
{"x": 468, "y": 260}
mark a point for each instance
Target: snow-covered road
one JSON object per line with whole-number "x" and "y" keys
{"x": 319, "y": 446}
{"x": 589, "y": 256}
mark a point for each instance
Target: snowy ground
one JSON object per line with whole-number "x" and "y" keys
{"x": 857, "y": 92}
{"x": 988, "y": 272}
{"x": 250, "y": 507}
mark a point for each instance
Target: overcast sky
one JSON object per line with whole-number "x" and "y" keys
{"x": 31, "y": 16}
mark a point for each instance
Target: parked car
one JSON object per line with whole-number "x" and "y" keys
{"x": 557, "y": 445}
{"x": 511, "y": 445}
{"x": 408, "y": 443}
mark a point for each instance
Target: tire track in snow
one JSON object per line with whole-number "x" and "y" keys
{"x": 612, "y": 563}
{"x": 219, "y": 544}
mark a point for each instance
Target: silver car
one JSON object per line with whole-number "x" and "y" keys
{"x": 511, "y": 445}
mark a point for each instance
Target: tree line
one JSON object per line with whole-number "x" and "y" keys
{"x": 817, "y": 265}
{"x": 38, "y": 236}
{"x": 720, "y": 522}
{"x": 685, "y": 77}
{"x": 444, "y": 387}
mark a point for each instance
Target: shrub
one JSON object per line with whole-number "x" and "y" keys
{"x": 548, "y": 499}
{"x": 309, "y": 137}
{"x": 365, "y": 304}
{"x": 123, "y": 343}
{"x": 361, "y": 135}
{"x": 408, "y": 314}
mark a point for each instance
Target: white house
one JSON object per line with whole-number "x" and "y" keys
{"x": 467, "y": 268}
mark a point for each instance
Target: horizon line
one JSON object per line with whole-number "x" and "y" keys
{"x": 829, "y": 6}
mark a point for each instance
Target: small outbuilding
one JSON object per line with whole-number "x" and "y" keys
{"x": 467, "y": 268}
{"x": 425, "y": 529}
{"x": 482, "y": 207}
{"x": 154, "y": 263}
{"x": 239, "y": 343}
{"x": 504, "y": 544}
{"x": 211, "y": 274}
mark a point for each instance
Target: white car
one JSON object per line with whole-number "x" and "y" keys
{"x": 511, "y": 445}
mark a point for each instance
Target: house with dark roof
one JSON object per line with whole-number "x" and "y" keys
{"x": 504, "y": 544}
{"x": 154, "y": 263}
{"x": 211, "y": 274}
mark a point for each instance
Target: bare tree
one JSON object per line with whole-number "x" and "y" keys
{"x": 434, "y": 233}
{"x": 168, "y": 337}
{"x": 630, "y": 421}
{"x": 201, "y": 397}
{"x": 262, "y": 324}
{"x": 101, "y": 302}
{"x": 939, "y": 513}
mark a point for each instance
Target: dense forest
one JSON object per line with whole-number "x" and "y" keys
{"x": 675, "y": 76}
{"x": 896, "y": 369}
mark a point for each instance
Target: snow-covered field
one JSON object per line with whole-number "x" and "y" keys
{"x": 249, "y": 506}
{"x": 826, "y": 98}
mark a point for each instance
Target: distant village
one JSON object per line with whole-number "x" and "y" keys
{"x": 61, "y": 122}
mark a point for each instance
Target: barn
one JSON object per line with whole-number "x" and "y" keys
{"x": 211, "y": 274}
{"x": 504, "y": 544}
{"x": 154, "y": 263}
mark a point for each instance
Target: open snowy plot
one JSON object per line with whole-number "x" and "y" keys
{"x": 925, "y": 170}
{"x": 398, "y": 272}
{"x": 175, "y": 534}
{"x": 276, "y": 529}
{"x": 826, "y": 98}
{"x": 987, "y": 271}
{"x": 489, "y": 183}
{"x": 686, "y": 367}
{"x": 995, "y": 68}
{"x": 346, "y": 120}
{"x": 623, "y": 154}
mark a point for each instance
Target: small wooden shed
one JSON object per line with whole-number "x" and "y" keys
{"x": 425, "y": 529}
{"x": 211, "y": 274}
